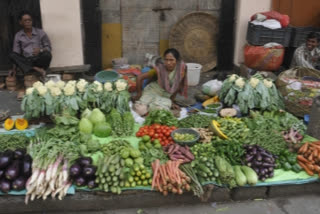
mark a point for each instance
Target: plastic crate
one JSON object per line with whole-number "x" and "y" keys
{"x": 260, "y": 35}
{"x": 299, "y": 35}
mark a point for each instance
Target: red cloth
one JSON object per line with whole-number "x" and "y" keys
{"x": 282, "y": 18}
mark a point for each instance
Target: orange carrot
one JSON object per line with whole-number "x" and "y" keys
{"x": 310, "y": 166}
{"x": 310, "y": 158}
{"x": 303, "y": 148}
{"x": 302, "y": 159}
{"x": 308, "y": 171}
{"x": 155, "y": 167}
{"x": 316, "y": 168}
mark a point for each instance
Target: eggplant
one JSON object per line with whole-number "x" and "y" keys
{"x": 249, "y": 158}
{"x": 268, "y": 165}
{"x": 5, "y": 185}
{"x": 84, "y": 161}
{"x": 270, "y": 169}
{"x": 75, "y": 170}
{"x": 259, "y": 157}
{"x": 92, "y": 184}
{"x": 257, "y": 163}
{"x": 6, "y": 159}
{"x": 266, "y": 154}
{"x": 1, "y": 173}
{"x": 89, "y": 170}
{"x": 270, "y": 174}
{"x": 80, "y": 181}
{"x": 257, "y": 170}
{"x": 249, "y": 164}
{"x": 19, "y": 154}
{"x": 13, "y": 170}
{"x": 26, "y": 167}
{"x": 254, "y": 151}
{"x": 19, "y": 184}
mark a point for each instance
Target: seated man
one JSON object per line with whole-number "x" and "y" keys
{"x": 308, "y": 54}
{"x": 31, "y": 48}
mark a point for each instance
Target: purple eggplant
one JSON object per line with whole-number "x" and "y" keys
{"x": 89, "y": 170}
{"x": 19, "y": 183}
{"x": 12, "y": 172}
{"x": 84, "y": 161}
{"x": 75, "y": 170}
{"x": 92, "y": 184}
{"x": 27, "y": 167}
{"x": 80, "y": 181}
{"x": 19, "y": 154}
{"x": 5, "y": 185}
{"x": 6, "y": 159}
{"x": 259, "y": 157}
{"x": 1, "y": 173}
{"x": 249, "y": 158}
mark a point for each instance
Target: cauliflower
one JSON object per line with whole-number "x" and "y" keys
{"x": 81, "y": 85}
{"x": 108, "y": 86}
{"x": 121, "y": 85}
{"x": 60, "y": 84}
{"x": 55, "y": 91}
{"x": 233, "y": 77}
{"x": 42, "y": 90}
{"x": 69, "y": 90}
{"x": 267, "y": 83}
{"x": 240, "y": 82}
{"x": 50, "y": 84}
{"x": 254, "y": 82}
{"x": 97, "y": 86}
{"x": 37, "y": 84}
{"x": 29, "y": 91}
{"x": 72, "y": 82}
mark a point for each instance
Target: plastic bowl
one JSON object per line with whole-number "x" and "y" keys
{"x": 106, "y": 76}
{"x": 186, "y": 131}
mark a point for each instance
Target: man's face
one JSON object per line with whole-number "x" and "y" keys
{"x": 312, "y": 43}
{"x": 26, "y": 22}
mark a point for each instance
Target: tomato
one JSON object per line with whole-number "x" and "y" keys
{"x": 156, "y": 135}
{"x": 151, "y": 133}
{"x": 137, "y": 134}
{"x": 157, "y": 126}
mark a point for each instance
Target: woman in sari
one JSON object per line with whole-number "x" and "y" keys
{"x": 166, "y": 81}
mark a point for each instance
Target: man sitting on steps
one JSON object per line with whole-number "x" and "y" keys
{"x": 31, "y": 48}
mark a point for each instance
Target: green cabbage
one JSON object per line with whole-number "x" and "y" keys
{"x": 102, "y": 129}
{"x": 97, "y": 116}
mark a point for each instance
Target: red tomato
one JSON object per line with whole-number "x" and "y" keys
{"x": 156, "y": 135}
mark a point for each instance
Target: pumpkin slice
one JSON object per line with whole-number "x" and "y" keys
{"x": 8, "y": 124}
{"x": 21, "y": 124}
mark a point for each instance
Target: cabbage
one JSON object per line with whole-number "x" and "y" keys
{"x": 85, "y": 126}
{"x": 97, "y": 116}
{"x": 86, "y": 113}
{"x": 102, "y": 129}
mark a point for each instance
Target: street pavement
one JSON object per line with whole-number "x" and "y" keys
{"x": 303, "y": 204}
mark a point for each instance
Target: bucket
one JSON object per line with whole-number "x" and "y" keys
{"x": 194, "y": 71}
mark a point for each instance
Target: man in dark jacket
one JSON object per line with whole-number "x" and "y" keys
{"x": 31, "y": 48}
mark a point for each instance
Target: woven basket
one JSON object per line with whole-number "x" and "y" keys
{"x": 298, "y": 102}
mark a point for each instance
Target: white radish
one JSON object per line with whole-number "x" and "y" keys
{"x": 49, "y": 171}
{"x": 55, "y": 166}
{"x": 35, "y": 175}
{"x": 33, "y": 195}
{"x": 41, "y": 177}
{"x": 26, "y": 200}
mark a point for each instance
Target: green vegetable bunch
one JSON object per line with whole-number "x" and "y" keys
{"x": 162, "y": 117}
{"x": 232, "y": 150}
{"x": 195, "y": 121}
{"x": 13, "y": 141}
{"x": 121, "y": 125}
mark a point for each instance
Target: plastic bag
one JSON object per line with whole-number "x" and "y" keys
{"x": 283, "y": 19}
{"x": 263, "y": 59}
{"x": 211, "y": 87}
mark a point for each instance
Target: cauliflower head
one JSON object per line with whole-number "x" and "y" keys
{"x": 240, "y": 82}
{"x": 254, "y": 82}
{"x": 108, "y": 86}
{"x": 42, "y": 90}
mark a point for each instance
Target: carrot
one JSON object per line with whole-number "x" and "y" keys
{"x": 308, "y": 171}
{"x": 316, "y": 168}
{"x": 302, "y": 159}
{"x": 316, "y": 142}
{"x": 310, "y": 166}
{"x": 155, "y": 167}
{"x": 161, "y": 170}
{"x": 314, "y": 146}
{"x": 310, "y": 158}
{"x": 315, "y": 153}
{"x": 303, "y": 148}
{"x": 165, "y": 193}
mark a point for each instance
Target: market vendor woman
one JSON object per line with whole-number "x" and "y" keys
{"x": 166, "y": 81}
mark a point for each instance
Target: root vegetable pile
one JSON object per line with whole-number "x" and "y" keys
{"x": 169, "y": 178}
{"x": 205, "y": 135}
{"x": 177, "y": 152}
{"x": 309, "y": 158}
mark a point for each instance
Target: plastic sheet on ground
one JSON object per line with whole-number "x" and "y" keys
{"x": 71, "y": 191}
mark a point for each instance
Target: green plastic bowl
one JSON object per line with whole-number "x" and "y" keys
{"x": 186, "y": 131}
{"x": 106, "y": 76}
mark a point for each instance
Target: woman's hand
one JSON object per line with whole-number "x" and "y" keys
{"x": 135, "y": 98}
{"x": 175, "y": 106}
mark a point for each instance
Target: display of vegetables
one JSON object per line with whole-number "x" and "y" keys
{"x": 122, "y": 166}
{"x": 15, "y": 169}
{"x": 162, "y": 117}
{"x": 195, "y": 121}
{"x": 151, "y": 150}
{"x": 255, "y": 93}
{"x": 204, "y": 164}
{"x": 169, "y": 178}
{"x": 261, "y": 161}
{"x": 177, "y": 152}
{"x": 121, "y": 125}
{"x": 82, "y": 172}
{"x": 309, "y": 157}
{"x": 231, "y": 149}
{"x": 288, "y": 161}
{"x": 233, "y": 128}
{"x": 13, "y": 141}
{"x": 156, "y": 131}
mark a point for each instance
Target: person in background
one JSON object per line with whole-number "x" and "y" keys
{"x": 308, "y": 54}
{"x": 31, "y": 48}
{"x": 166, "y": 81}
